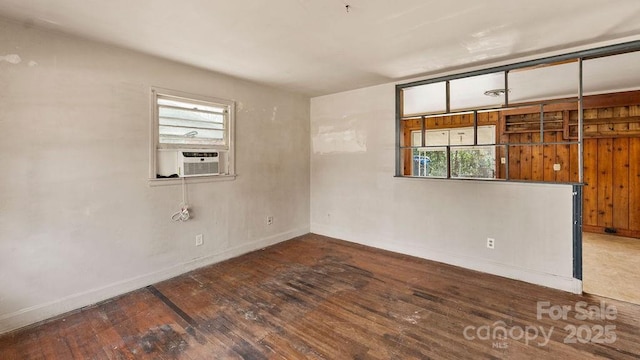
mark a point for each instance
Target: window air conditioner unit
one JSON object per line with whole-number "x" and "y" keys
{"x": 191, "y": 163}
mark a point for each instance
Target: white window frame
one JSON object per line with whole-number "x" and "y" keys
{"x": 228, "y": 148}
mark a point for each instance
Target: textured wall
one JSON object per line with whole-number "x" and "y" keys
{"x": 354, "y": 196}
{"x": 79, "y": 220}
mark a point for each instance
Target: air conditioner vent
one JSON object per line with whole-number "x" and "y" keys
{"x": 198, "y": 163}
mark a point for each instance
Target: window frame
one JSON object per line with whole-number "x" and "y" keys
{"x": 228, "y": 148}
{"x": 578, "y": 56}
{"x": 448, "y": 147}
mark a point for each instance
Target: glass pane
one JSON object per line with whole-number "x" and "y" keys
{"x": 553, "y": 81}
{"x": 430, "y": 162}
{"x": 437, "y": 137}
{"x": 194, "y": 115}
{"x": 190, "y": 123}
{"x": 416, "y": 138}
{"x": 429, "y": 98}
{"x": 473, "y": 162}
{"x": 461, "y": 136}
{"x": 611, "y": 73}
{"x": 181, "y": 135}
{"x": 469, "y": 93}
{"x": 185, "y": 123}
{"x": 465, "y": 135}
{"x": 501, "y": 161}
{"x": 189, "y": 105}
{"x": 486, "y": 135}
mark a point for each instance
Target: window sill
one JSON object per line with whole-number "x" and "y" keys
{"x": 191, "y": 180}
{"x": 421, "y": 178}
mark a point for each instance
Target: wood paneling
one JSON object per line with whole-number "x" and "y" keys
{"x": 590, "y": 191}
{"x": 406, "y": 127}
{"x": 337, "y": 301}
{"x": 611, "y": 197}
{"x": 549, "y": 154}
{"x": 514, "y": 157}
{"x": 612, "y": 127}
{"x": 605, "y": 183}
{"x": 634, "y": 184}
{"x": 502, "y": 151}
{"x": 525, "y": 157}
{"x": 574, "y": 164}
{"x": 537, "y": 158}
{"x": 562, "y": 158}
{"x": 620, "y": 183}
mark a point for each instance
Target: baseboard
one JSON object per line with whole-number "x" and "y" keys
{"x": 34, "y": 314}
{"x": 618, "y": 232}
{"x": 568, "y": 284}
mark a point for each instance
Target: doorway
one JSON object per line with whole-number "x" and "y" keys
{"x": 611, "y": 199}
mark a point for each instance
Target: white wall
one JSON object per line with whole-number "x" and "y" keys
{"x": 355, "y": 197}
{"x": 79, "y": 222}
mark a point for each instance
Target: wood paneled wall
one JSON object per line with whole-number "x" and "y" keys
{"x": 612, "y": 185}
{"x": 536, "y": 162}
{"x": 611, "y": 157}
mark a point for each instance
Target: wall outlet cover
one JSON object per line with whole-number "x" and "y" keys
{"x": 491, "y": 243}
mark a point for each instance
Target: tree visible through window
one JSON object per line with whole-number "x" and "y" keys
{"x": 464, "y": 161}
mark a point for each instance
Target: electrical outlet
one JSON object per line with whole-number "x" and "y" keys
{"x": 269, "y": 220}
{"x": 556, "y": 167}
{"x": 503, "y": 160}
{"x": 491, "y": 243}
{"x": 199, "y": 240}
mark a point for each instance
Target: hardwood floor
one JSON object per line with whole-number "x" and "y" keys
{"x": 319, "y": 298}
{"x": 610, "y": 266}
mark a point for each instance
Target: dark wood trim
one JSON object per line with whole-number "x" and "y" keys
{"x": 565, "y": 125}
{"x": 625, "y": 98}
{"x": 619, "y": 232}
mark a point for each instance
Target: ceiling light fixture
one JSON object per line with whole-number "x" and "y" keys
{"x": 495, "y": 92}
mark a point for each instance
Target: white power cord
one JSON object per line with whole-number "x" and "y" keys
{"x": 183, "y": 214}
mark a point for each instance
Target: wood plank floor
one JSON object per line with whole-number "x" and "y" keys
{"x": 318, "y": 298}
{"x": 610, "y": 266}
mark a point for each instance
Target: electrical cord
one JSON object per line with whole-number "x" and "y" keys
{"x": 183, "y": 214}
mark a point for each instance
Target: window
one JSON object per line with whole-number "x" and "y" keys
{"x": 192, "y": 135}
{"x": 547, "y": 112}
{"x": 464, "y": 161}
{"x": 431, "y": 160}
{"x": 191, "y": 124}
{"x": 543, "y": 115}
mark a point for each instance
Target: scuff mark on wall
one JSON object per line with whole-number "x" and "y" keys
{"x": 341, "y": 138}
{"x": 273, "y": 114}
{"x": 11, "y": 59}
{"x": 32, "y": 63}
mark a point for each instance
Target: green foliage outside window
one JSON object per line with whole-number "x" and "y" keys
{"x": 476, "y": 162}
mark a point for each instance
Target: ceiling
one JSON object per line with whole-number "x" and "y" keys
{"x": 318, "y": 47}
